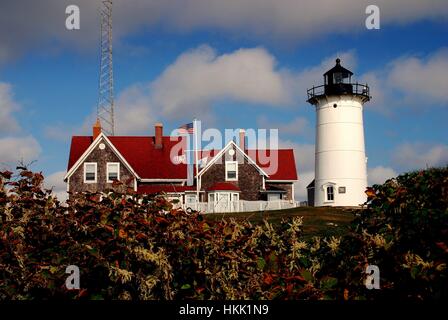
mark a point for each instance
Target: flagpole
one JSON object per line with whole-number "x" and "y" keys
{"x": 195, "y": 129}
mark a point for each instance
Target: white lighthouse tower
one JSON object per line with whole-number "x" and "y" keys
{"x": 340, "y": 159}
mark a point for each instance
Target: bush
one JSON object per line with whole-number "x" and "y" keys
{"x": 139, "y": 247}
{"x": 407, "y": 220}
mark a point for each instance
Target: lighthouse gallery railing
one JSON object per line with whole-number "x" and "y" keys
{"x": 344, "y": 88}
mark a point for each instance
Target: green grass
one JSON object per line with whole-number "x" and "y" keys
{"x": 322, "y": 221}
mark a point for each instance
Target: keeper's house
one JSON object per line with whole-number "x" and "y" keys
{"x": 231, "y": 179}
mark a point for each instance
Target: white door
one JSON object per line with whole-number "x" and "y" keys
{"x": 222, "y": 202}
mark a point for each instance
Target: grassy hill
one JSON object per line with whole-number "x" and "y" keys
{"x": 322, "y": 221}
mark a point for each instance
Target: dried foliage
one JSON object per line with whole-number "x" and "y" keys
{"x": 139, "y": 247}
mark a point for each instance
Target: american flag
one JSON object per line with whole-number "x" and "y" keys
{"x": 186, "y": 128}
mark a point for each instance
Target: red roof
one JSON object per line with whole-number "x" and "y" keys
{"x": 227, "y": 186}
{"x": 278, "y": 164}
{"x": 141, "y": 154}
{"x": 151, "y": 163}
{"x": 77, "y": 148}
{"x": 151, "y": 189}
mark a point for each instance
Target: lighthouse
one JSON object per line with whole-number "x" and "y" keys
{"x": 340, "y": 157}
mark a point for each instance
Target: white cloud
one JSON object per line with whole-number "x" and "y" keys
{"x": 288, "y": 21}
{"x": 278, "y": 19}
{"x": 134, "y": 112}
{"x": 189, "y": 86}
{"x": 199, "y": 77}
{"x": 382, "y": 94}
{"x": 8, "y": 106}
{"x": 55, "y": 181}
{"x": 419, "y": 155}
{"x": 410, "y": 82}
{"x": 16, "y": 149}
{"x": 379, "y": 174}
{"x": 297, "y": 126}
{"x": 422, "y": 80}
{"x": 41, "y": 27}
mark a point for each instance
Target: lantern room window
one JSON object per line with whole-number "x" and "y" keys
{"x": 340, "y": 77}
{"x": 337, "y": 77}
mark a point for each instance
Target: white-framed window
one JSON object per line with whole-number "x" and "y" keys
{"x": 274, "y": 196}
{"x": 90, "y": 172}
{"x": 112, "y": 171}
{"x": 231, "y": 170}
{"x": 235, "y": 197}
{"x": 211, "y": 197}
{"x": 190, "y": 199}
{"x": 330, "y": 193}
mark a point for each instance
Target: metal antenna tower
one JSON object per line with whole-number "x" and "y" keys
{"x": 105, "y": 107}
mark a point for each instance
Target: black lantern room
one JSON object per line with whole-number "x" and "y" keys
{"x": 338, "y": 81}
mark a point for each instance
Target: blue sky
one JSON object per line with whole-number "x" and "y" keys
{"x": 173, "y": 64}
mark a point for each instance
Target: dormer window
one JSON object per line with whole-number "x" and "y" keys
{"x": 90, "y": 172}
{"x": 231, "y": 170}
{"x": 113, "y": 171}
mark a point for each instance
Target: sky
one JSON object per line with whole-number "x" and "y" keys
{"x": 231, "y": 64}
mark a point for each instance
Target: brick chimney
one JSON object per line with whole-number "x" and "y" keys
{"x": 158, "y": 135}
{"x": 96, "y": 129}
{"x": 243, "y": 140}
